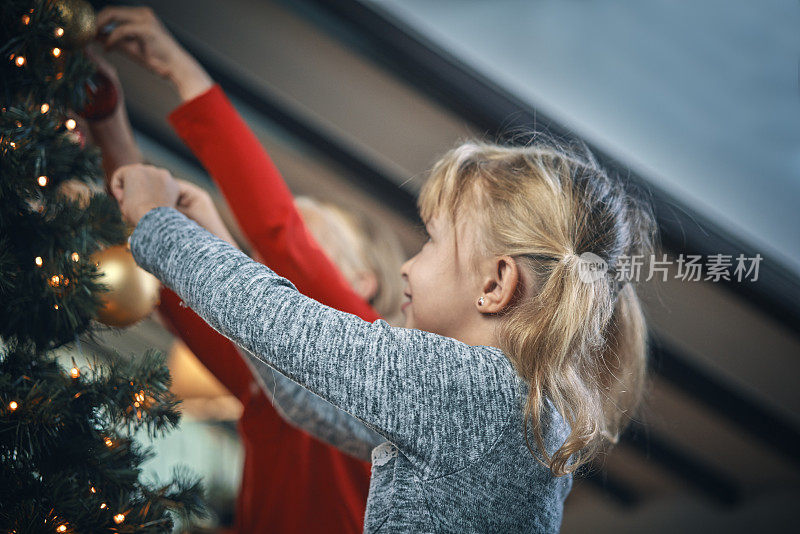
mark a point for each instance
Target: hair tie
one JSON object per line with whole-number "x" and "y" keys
{"x": 568, "y": 257}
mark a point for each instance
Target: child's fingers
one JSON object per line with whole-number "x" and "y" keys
{"x": 117, "y": 184}
{"x": 108, "y": 15}
{"x": 185, "y": 186}
{"x": 190, "y": 196}
{"x": 126, "y": 32}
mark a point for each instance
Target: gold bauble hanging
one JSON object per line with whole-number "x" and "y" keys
{"x": 78, "y": 19}
{"x": 134, "y": 292}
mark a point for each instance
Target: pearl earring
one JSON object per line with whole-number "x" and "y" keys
{"x": 480, "y": 301}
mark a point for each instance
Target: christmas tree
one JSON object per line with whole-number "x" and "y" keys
{"x": 68, "y": 458}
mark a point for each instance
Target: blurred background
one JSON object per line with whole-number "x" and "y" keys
{"x": 355, "y": 100}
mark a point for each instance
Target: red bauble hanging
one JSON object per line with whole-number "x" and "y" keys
{"x": 101, "y": 98}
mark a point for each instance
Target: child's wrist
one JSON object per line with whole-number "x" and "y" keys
{"x": 189, "y": 78}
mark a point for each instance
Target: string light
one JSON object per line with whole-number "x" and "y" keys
{"x": 42, "y": 180}
{"x": 93, "y": 490}
{"x": 76, "y": 373}
{"x": 61, "y": 528}
{"x": 56, "y": 52}
{"x": 20, "y": 61}
{"x": 139, "y": 396}
{"x": 45, "y": 108}
{"x": 70, "y": 124}
{"x": 55, "y": 280}
{"x": 12, "y": 144}
{"x": 119, "y": 518}
{"x": 75, "y": 257}
{"x": 108, "y": 442}
{"x": 38, "y": 261}
{"x": 26, "y": 19}
{"x": 103, "y": 506}
{"x": 59, "y": 31}
{"x": 13, "y": 405}
{"x": 55, "y": 306}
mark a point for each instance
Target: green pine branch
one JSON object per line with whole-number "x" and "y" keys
{"x": 68, "y": 449}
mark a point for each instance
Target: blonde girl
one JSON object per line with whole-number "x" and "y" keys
{"x": 513, "y": 368}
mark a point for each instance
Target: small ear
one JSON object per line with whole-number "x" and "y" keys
{"x": 500, "y": 286}
{"x": 366, "y": 285}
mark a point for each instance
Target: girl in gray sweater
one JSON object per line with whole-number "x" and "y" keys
{"x": 518, "y": 360}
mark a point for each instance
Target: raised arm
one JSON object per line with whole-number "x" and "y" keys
{"x": 233, "y": 156}
{"x": 261, "y": 201}
{"x": 408, "y": 385}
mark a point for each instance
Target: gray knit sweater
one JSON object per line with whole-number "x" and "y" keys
{"x": 454, "y": 457}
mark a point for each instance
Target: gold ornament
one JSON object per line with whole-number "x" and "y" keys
{"x": 133, "y": 291}
{"x": 78, "y": 21}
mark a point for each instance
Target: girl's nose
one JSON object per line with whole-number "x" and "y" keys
{"x": 405, "y": 268}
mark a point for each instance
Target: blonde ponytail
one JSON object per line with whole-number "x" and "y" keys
{"x": 578, "y": 341}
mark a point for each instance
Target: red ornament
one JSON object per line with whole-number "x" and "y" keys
{"x": 101, "y": 99}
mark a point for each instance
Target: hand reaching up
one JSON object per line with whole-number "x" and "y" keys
{"x": 139, "y": 33}
{"x": 140, "y": 188}
{"x": 197, "y": 204}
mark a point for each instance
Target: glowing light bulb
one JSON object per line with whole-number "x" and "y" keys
{"x": 59, "y": 32}
{"x": 20, "y": 61}
{"x": 75, "y": 257}
{"x": 75, "y": 373}
{"x": 103, "y": 506}
{"x": 56, "y": 52}
{"x": 70, "y": 124}
{"x": 38, "y": 261}
{"x": 45, "y": 108}
{"x": 12, "y": 144}
{"x": 42, "y": 180}
{"x": 55, "y": 280}
{"x": 26, "y": 19}
{"x": 13, "y": 405}
{"x": 61, "y": 528}
{"x": 119, "y": 518}
{"x": 108, "y": 442}
{"x": 55, "y": 306}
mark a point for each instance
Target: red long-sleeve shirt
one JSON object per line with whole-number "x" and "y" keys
{"x": 291, "y": 481}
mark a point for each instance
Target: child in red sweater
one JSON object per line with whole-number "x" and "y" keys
{"x": 291, "y": 481}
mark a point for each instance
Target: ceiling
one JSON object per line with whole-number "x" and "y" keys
{"x": 702, "y": 98}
